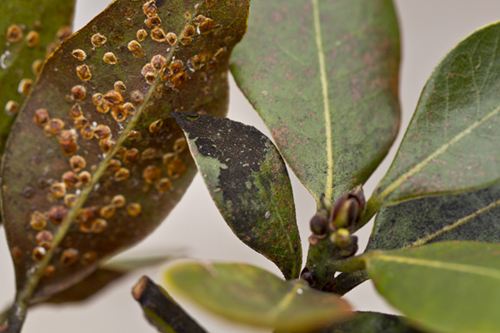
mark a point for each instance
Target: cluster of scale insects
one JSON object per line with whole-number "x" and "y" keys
{"x": 94, "y": 219}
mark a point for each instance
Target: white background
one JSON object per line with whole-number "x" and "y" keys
{"x": 429, "y": 29}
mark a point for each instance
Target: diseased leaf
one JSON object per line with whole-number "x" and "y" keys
{"x": 161, "y": 311}
{"x": 108, "y": 163}
{"x": 473, "y": 216}
{"x": 29, "y": 31}
{"x": 444, "y": 287}
{"x": 254, "y": 296}
{"x": 323, "y": 76}
{"x": 451, "y": 144}
{"x": 248, "y": 181}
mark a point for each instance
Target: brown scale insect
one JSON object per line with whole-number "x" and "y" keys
{"x": 71, "y": 179}
{"x": 41, "y": 117}
{"x": 186, "y": 41}
{"x": 158, "y": 35}
{"x": 97, "y": 99}
{"x": 120, "y": 86}
{"x": 199, "y": 19}
{"x": 136, "y": 49}
{"x": 189, "y": 31}
{"x": 152, "y": 21}
{"x": 32, "y": 39}
{"x": 89, "y": 258}
{"x": 38, "y": 253}
{"x": 119, "y": 114}
{"x": 180, "y": 145}
{"x": 56, "y": 125}
{"x": 158, "y": 62}
{"x": 122, "y": 174}
{"x": 14, "y": 33}
{"x": 176, "y": 67}
{"x": 69, "y": 147}
{"x": 38, "y": 221}
{"x": 152, "y": 174}
{"x": 176, "y": 168}
{"x": 66, "y": 135}
{"x": 83, "y": 72}
{"x": 129, "y": 107}
{"x": 134, "y": 209}
{"x": 179, "y": 81}
{"x": 46, "y": 245}
{"x": 51, "y": 47}
{"x": 155, "y": 126}
{"x": 220, "y": 54}
{"x": 87, "y": 132}
{"x": 113, "y": 98}
{"x": 164, "y": 185}
{"x": 57, "y": 215}
{"x": 134, "y": 135}
{"x": 137, "y": 97}
{"x": 167, "y": 158}
{"x": 77, "y": 163}
{"x": 85, "y": 178}
{"x": 103, "y": 108}
{"x": 102, "y": 132}
{"x": 209, "y": 3}
{"x": 98, "y": 226}
{"x": 69, "y": 257}
{"x": 63, "y": 33}
{"x": 12, "y": 107}
{"x": 113, "y": 166}
{"x": 47, "y": 131}
{"x": 48, "y": 273}
{"x": 188, "y": 16}
{"x": 81, "y": 122}
{"x": 70, "y": 200}
{"x": 44, "y": 236}
{"x": 166, "y": 74}
{"x": 118, "y": 201}
{"x": 141, "y": 35}
{"x": 98, "y": 40}
{"x": 58, "y": 189}
{"x": 149, "y": 8}
{"x": 25, "y": 87}
{"x": 120, "y": 152}
{"x": 110, "y": 58}
{"x": 76, "y": 111}
{"x": 149, "y": 154}
{"x": 78, "y": 92}
{"x": 131, "y": 156}
{"x": 108, "y": 212}
{"x": 36, "y": 66}
{"x": 87, "y": 215}
{"x": 206, "y": 26}
{"x": 79, "y": 54}
{"x": 171, "y": 38}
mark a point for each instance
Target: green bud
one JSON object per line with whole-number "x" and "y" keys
{"x": 347, "y": 214}
{"x": 343, "y": 238}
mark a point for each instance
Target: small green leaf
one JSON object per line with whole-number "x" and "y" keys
{"x": 473, "y": 216}
{"x": 161, "y": 311}
{"x": 29, "y": 31}
{"x": 444, "y": 287}
{"x": 451, "y": 144}
{"x": 111, "y": 158}
{"x": 248, "y": 181}
{"x": 323, "y": 76}
{"x": 254, "y": 296}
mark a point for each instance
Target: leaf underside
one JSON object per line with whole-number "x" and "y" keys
{"x": 251, "y": 295}
{"x": 323, "y": 75}
{"x": 443, "y": 287}
{"x": 248, "y": 181}
{"x": 451, "y": 144}
{"x": 127, "y": 62}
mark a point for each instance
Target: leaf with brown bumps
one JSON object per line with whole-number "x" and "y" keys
{"x": 95, "y": 162}
{"x": 29, "y": 31}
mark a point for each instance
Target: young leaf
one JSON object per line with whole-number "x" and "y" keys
{"x": 248, "y": 181}
{"x": 29, "y": 31}
{"x": 95, "y": 162}
{"x": 444, "y": 287}
{"x": 451, "y": 145}
{"x": 473, "y": 216}
{"x": 323, "y": 76}
{"x": 161, "y": 311}
{"x": 254, "y": 296}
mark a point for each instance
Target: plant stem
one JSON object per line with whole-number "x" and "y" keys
{"x": 350, "y": 265}
{"x": 4, "y": 314}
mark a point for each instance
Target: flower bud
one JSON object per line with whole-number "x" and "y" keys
{"x": 359, "y": 195}
{"x": 347, "y": 213}
{"x": 351, "y": 249}
{"x": 319, "y": 224}
{"x": 343, "y": 238}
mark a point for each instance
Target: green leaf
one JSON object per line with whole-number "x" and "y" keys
{"x": 161, "y": 311}
{"x": 133, "y": 66}
{"x": 248, "y": 181}
{"x": 444, "y": 287}
{"x": 29, "y": 31}
{"x": 473, "y": 216}
{"x": 451, "y": 145}
{"x": 323, "y": 76}
{"x": 254, "y": 296}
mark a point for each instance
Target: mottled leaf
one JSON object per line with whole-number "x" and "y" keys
{"x": 444, "y": 287}
{"x": 451, "y": 144}
{"x": 29, "y": 31}
{"x": 323, "y": 76}
{"x": 161, "y": 311}
{"x": 248, "y": 181}
{"x": 473, "y": 216}
{"x": 110, "y": 163}
{"x": 254, "y": 296}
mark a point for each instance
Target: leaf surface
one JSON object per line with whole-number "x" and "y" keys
{"x": 248, "y": 181}
{"x": 323, "y": 75}
{"x": 254, "y": 296}
{"x": 29, "y": 31}
{"x": 452, "y": 142}
{"x": 111, "y": 163}
{"x": 444, "y": 287}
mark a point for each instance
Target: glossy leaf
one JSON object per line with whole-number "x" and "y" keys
{"x": 473, "y": 216}
{"x": 444, "y": 287}
{"x": 29, "y": 31}
{"x": 248, "y": 181}
{"x": 254, "y": 296}
{"x": 133, "y": 67}
{"x": 323, "y": 76}
{"x": 161, "y": 311}
{"x": 451, "y": 144}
